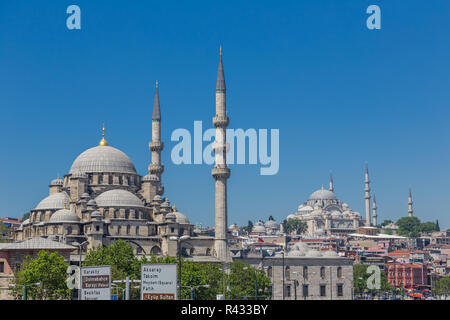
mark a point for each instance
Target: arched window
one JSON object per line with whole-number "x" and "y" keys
{"x": 69, "y": 230}
{"x": 339, "y": 272}
{"x": 287, "y": 273}
{"x": 322, "y": 272}
{"x": 128, "y": 229}
{"x": 137, "y": 230}
{"x": 208, "y": 251}
{"x": 305, "y": 272}
{"x": 269, "y": 271}
{"x": 118, "y": 229}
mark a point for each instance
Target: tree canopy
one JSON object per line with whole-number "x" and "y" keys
{"x": 360, "y": 277}
{"x": 48, "y": 269}
{"x": 296, "y": 226}
{"x": 412, "y": 227}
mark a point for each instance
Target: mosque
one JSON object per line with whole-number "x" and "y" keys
{"x": 326, "y": 215}
{"x": 102, "y": 199}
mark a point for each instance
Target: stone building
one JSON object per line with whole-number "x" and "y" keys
{"x": 102, "y": 199}
{"x": 304, "y": 274}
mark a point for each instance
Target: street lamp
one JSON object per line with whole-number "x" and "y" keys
{"x": 25, "y": 288}
{"x": 80, "y": 246}
{"x": 179, "y": 240}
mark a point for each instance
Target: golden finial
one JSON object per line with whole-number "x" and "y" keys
{"x": 322, "y": 187}
{"x": 103, "y": 142}
{"x": 174, "y": 207}
{"x": 65, "y": 204}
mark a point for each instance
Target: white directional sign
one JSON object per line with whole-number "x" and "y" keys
{"x": 158, "y": 282}
{"x": 96, "y": 283}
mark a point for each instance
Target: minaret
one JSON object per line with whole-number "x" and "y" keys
{"x": 156, "y": 146}
{"x": 410, "y": 204}
{"x": 220, "y": 172}
{"x": 374, "y": 211}
{"x": 367, "y": 196}
{"x": 331, "y": 183}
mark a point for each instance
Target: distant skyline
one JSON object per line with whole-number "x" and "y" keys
{"x": 341, "y": 95}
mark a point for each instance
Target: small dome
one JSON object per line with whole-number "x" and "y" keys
{"x": 171, "y": 216}
{"x": 322, "y": 194}
{"x": 64, "y": 215}
{"x": 54, "y": 202}
{"x": 259, "y": 227}
{"x": 157, "y": 198}
{"x": 85, "y": 196}
{"x": 181, "y": 218}
{"x": 314, "y": 253}
{"x": 166, "y": 203}
{"x": 92, "y": 203}
{"x": 271, "y": 224}
{"x": 330, "y": 253}
{"x": 103, "y": 159}
{"x": 96, "y": 214}
{"x": 291, "y": 216}
{"x": 150, "y": 177}
{"x": 118, "y": 198}
{"x": 56, "y": 182}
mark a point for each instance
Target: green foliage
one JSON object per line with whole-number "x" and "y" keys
{"x": 388, "y": 231}
{"x": 412, "y": 227}
{"x": 195, "y": 275}
{"x": 241, "y": 281}
{"x": 296, "y": 226}
{"x": 3, "y": 229}
{"x": 442, "y": 286}
{"x": 360, "y": 276}
{"x": 47, "y": 268}
{"x": 248, "y": 228}
{"x": 26, "y": 216}
{"x": 427, "y": 227}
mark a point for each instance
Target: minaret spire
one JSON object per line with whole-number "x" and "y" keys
{"x": 156, "y": 146}
{"x": 103, "y": 142}
{"x": 367, "y": 195}
{"x": 374, "y": 211}
{"x": 331, "y": 182}
{"x": 220, "y": 172}
{"x": 410, "y": 204}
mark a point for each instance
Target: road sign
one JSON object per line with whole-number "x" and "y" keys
{"x": 96, "y": 283}
{"x": 159, "y": 282}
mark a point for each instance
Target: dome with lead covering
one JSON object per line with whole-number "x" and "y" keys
{"x": 55, "y": 201}
{"x": 103, "y": 159}
{"x": 56, "y": 182}
{"x": 118, "y": 198}
{"x": 322, "y": 195}
{"x": 64, "y": 215}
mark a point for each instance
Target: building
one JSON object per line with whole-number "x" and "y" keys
{"x": 304, "y": 274}
{"x": 407, "y": 275}
{"x": 103, "y": 199}
{"x": 12, "y": 256}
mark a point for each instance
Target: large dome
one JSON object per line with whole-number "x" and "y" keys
{"x": 64, "y": 215}
{"x": 102, "y": 159}
{"x": 118, "y": 198}
{"x": 322, "y": 195}
{"x": 55, "y": 201}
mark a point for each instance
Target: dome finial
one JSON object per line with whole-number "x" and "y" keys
{"x": 103, "y": 142}
{"x": 322, "y": 187}
{"x": 174, "y": 207}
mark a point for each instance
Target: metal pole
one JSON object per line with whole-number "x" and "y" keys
{"x": 25, "y": 292}
{"x": 331, "y": 283}
{"x": 192, "y": 293}
{"x": 127, "y": 288}
{"x": 179, "y": 265}
{"x": 282, "y": 252}
{"x": 256, "y": 286}
{"x": 79, "y": 257}
{"x": 295, "y": 289}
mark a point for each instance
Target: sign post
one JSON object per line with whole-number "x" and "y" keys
{"x": 159, "y": 282}
{"x": 96, "y": 283}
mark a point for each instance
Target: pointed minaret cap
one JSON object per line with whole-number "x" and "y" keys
{"x": 220, "y": 85}
{"x": 156, "y": 112}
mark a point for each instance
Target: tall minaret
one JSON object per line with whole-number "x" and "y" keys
{"x": 331, "y": 182}
{"x": 220, "y": 172}
{"x": 374, "y": 211}
{"x": 156, "y": 146}
{"x": 367, "y": 196}
{"x": 410, "y": 204}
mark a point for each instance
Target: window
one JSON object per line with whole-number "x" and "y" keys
{"x": 269, "y": 271}
{"x": 340, "y": 291}
{"x": 97, "y": 228}
{"x": 2, "y": 266}
{"x": 128, "y": 229}
{"x": 323, "y": 291}
{"x": 287, "y": 273}
{"x": 172, "y": 230}
{"x": 305, "y": 272}
{"x": 339, "y": 272}
{"x": 137, "y": 230}
{"x": 322, "y": 272}
{"x": 288, "y": 290}
{"x": 305, "y": 290}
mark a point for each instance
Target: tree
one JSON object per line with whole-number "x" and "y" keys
{"x": 437, "y": 225}
{"x": 296, "y": 226}
{"x": 26, "y": 216}
{"x": 409, "y": 227}
{"x": 360, "y": 277}
{"x": 49, "y": 269}
{"x": 427, "y": 227}
{"x": 248, "y": 228}
{"x": 241, "y": 282}
{"x": 442, "y": 286}
{"x": 4, "y": 230}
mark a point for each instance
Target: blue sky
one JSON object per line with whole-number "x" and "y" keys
{"x": 340, "y": 94}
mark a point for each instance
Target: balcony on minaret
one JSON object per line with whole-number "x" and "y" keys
{"x": 156, "y": 169}
{"x": 220, "y": 173}
{"x": 221, "y": 121}
{"x": 156, "y": 145}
